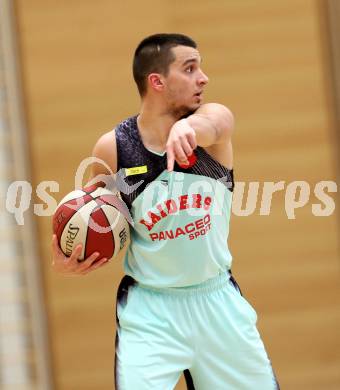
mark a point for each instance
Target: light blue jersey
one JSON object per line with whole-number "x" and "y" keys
{"x": 181, "y": 219}
{"x": 181, "y": 225}
{"x": 178, "y": 308}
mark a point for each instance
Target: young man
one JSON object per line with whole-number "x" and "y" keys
{"x": 178, "y": 308}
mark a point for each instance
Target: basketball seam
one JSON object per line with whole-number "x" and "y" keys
{"x": 97, "y": 196}
{"x": 98, "y": 207}
{"x": 87, "y": 233}
{"x": 108, "y": 204}
{"x": 122, "y": 210}
{"x": 76, "y": 211}
{"x": 88, "y": 226}
{"x": 77, "y": 197}
{"x": 89, "y": 193}
{"x": 113, "y": 237}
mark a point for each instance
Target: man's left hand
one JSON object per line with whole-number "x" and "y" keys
{"x": 181, "y": 143}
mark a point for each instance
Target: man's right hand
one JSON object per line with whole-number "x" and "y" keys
{"x": 70, "y": 266}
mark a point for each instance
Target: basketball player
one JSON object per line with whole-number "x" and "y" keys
{"x": 179, "y": 309}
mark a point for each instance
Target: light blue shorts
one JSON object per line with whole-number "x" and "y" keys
{"x": 208, "y": 331}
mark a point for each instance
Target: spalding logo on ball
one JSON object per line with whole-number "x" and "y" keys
{"x": 95, "y": 217}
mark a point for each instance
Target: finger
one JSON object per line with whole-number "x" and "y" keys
{"x": 181, "y": 157}
{"x": 187, "y": 148}
{"x": 93, "y": 267}
{"x": 191, "y": 138}
{"x": 170, "y": 157}
{"x": 99, "y": 263}
{"x": 87, "y": 263}
{"x": 91, "y": 259}
{"x": 76, "y": 254}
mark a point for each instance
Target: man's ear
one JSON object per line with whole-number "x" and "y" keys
{"x": 155, "y": 81}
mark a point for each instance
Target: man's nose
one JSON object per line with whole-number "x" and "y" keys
{"x": 203, "y": 79}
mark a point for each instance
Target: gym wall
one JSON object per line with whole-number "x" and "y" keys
{"x": 270, "y": 63}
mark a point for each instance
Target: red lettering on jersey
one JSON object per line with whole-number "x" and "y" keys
{"x": 199, "y": 223}
{"x": 183, "y": 202}
{"x": 199, "y": 227}
{"x": 154, "y": 217}
{"x": 147, "y": 224}
{"x": 207, "y": 202}
{"x": 187, "y": 227}
{"x": 196, "y": 201}
{"x": 179, "y": 232}
{"x": 171, "y": 206}
{"x": 169, "y": 234}
{"x": 163, "y": 213}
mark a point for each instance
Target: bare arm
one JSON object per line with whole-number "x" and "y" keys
{"x": 213, "y": 124}
{"x": 105, "y": 150}
{"x": 211, "y": 127}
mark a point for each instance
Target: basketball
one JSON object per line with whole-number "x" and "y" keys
{"x": 95, "y": 217}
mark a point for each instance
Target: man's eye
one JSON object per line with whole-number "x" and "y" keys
{"x": 190, "y": 69}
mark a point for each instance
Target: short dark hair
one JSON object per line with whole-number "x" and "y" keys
{"x": 154, "y": 54}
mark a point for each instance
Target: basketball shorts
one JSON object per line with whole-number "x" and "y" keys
{"x": 208, "y": 331}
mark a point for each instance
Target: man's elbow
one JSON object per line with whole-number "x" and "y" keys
{"x": 225, "y": 124}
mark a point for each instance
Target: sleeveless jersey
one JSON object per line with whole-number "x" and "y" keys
{"x": 180, "y": 218}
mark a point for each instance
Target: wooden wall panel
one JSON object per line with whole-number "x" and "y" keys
{"x": 76, "y": 59}
{"x": 265, "y": 61}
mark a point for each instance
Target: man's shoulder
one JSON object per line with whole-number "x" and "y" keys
{"x": 105, "y": 145}
{"x": 128, "y": 123}
{"x": 105, "y": 155}
{"x": 105, "y": 148}
{"x": 106, "y": 139}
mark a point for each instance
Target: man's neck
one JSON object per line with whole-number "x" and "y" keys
{"x": 154, "y": 127}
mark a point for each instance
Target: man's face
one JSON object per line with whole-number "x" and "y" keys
{"x": 185, "y": 81}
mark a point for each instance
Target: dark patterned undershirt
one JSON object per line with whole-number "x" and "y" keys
{"x": 131, "y": 153}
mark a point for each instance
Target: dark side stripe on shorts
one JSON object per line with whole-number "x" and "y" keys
{"x": 122, "y": 294}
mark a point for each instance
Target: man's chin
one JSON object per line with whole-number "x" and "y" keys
{"x": 186, "y": 110}
{"x": 196, "y": 106}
